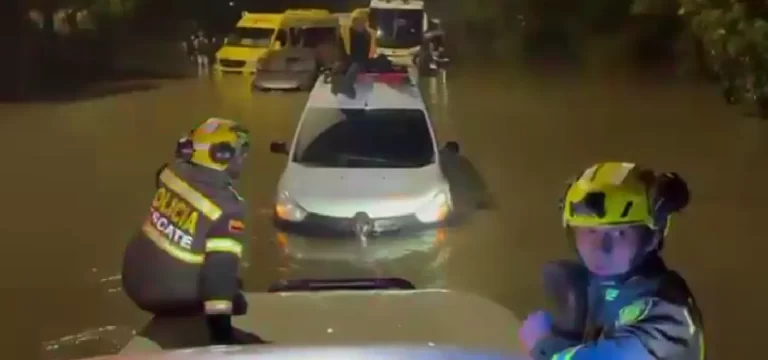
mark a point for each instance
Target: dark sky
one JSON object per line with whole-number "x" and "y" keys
{"x": 220, "y": 16}
{"x": 278, "y": 5}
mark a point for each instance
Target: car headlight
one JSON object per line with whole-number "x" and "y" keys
{"x": 289, "y": 210}
{"x": 437, "y": 209}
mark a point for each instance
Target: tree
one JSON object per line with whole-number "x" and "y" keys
{"x": 734, "y": 35}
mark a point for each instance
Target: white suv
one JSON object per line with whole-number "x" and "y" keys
{"x": 364, "y": 166}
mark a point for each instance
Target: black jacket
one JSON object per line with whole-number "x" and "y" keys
{"x": 651, "y": 315}
{"x": 185, "y": 258}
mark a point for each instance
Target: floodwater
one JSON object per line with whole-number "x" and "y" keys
{"x": 79, "y": 176}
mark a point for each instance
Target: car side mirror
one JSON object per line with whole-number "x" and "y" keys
{"x": 278, "y": 147}
{"x": 452, "y": 147}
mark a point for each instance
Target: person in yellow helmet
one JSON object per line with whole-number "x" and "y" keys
{"x": 620, "y": 301}
{"x": 184, "y": 260}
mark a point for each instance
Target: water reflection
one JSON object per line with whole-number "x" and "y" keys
{"x": 517, "y": 129}
{"x": 108, "y": 338}
{"x": 398, "y": 256}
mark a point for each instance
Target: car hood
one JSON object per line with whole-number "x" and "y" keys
{"x": 340, "y": 318}
{"x": 342, "y": 192}
{"x": 240, "y": 53}
{"x": 290, "y": 59}
{"x": 271, "y": 352}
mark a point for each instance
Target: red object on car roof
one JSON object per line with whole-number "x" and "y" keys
{"x": 390, "y": 78}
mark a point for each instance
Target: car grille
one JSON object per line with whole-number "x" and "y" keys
{"x": 346, "y": 226}
{"x": 231, "y": 63}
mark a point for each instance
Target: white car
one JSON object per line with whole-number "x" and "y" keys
{"x": 363, "y": 166}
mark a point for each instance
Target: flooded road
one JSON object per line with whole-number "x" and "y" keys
{"x": 79, "y": 176}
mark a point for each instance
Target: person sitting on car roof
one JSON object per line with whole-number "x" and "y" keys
{"x": 357, "y": 53}
{"x": 357, "y": 43}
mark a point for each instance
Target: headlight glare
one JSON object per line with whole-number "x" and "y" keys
{"x": 287, "y": 209}
{"x": 436, "y": 210}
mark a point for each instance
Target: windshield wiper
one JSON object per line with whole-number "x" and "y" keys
{"x": 378, "y": 160}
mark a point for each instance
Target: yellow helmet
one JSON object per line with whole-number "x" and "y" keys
{"x": 215, "y": 144}
{"x": 610, "y": 194}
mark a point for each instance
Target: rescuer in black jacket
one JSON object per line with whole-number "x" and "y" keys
{"x": 185, "y": 259}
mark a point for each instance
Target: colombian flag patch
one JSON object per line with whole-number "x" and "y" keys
{"x": 236, "y": 226}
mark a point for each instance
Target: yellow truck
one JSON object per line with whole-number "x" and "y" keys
{"x": 256, "y": 34}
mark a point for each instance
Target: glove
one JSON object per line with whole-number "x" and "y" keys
{"x": 537, "y": 326}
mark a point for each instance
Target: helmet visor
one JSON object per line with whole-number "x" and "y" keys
{"x": 597, "y": 209}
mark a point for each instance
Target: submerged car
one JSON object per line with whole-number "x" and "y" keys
{"x": 287, "y": 69}
{"x": 363, "y": 166}
{"x": 256, "y": 35}
{"x": 311, "y": 47}
{"x": 311, "y": 319}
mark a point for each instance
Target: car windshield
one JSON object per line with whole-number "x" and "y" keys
{"x": 250, "y": 37}
{"x": 315, "y": 36}
{"x": 363, "y": 138}
{"x": 398, "y": 28}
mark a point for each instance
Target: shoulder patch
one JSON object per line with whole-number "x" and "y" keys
{"x": 236, "y": 226}
{"x": 634, "y": 312}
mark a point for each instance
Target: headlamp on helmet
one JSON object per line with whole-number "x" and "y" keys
{"x": 214, "y": 144}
